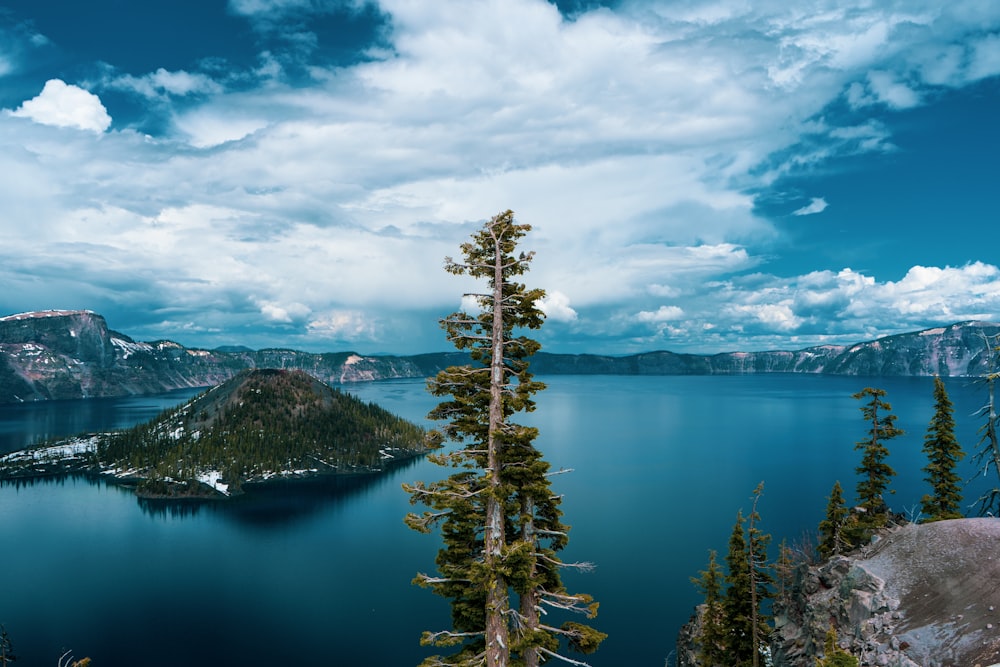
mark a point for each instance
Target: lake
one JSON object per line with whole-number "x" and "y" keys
{"x": 319, "y": 573}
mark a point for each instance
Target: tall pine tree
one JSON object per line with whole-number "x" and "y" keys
{"x": 500, "y": 521}
{"x": 874, "y": 471}
{"x": 749, "y": 587}
{"x": 712, "y": 649}
{"x": 943, "y": 454}
{"x": 988, "y": 452}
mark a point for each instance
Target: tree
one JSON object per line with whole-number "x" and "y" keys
{"x": 943, "y": 454}
{"x": 875, "y": 472}
{"x": 6, "y": 648}
{"x": 988, "y": 454}
{"x": 833, "y": 655}
{"x": 748, "y": 588}
{"x": 831, "y": 539}
{"x": 712, "y": 640}
{"x": 499, "y": 519}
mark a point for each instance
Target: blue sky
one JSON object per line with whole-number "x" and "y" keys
{"x": 700, "y": 175}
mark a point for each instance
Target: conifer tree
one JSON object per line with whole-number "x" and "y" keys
{"x": 988, "y": 452}
{"x": 831, "y": 538}
{"x": 874, "y": 471}
{"x": 6, "y": 648}
{"x": 712, "y": 640}
{"x": 749, "y": 586}
{"x": 736, "y": 605}
{"x": 943, "y": 454}
{"x": 833, "y": 655}
{"x": 500, "y": 521}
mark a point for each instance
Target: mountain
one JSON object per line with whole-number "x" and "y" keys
{"x": 73, "y": 354}
{"x": 255, "y": 426}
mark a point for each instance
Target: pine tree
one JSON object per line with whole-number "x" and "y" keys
{"x": 831, "y": 538}
{"x": 875, "y": 472}
{"x": 833, "y": 655}
{"x": 6, "y": 648}
{"x": 499, "y": 519}
{"x": 749, "y": 587}
{"x": 737, "y": 602}
{"x": 943, "y": 454}
{"x": 988, "y": 452}
{"x": 712, "y": 640}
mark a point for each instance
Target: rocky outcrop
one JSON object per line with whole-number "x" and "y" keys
{"x": 921, "y": 596}
{"x": 73, "y": 354}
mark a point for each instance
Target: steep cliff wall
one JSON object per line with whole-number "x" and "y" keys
{"x": 73, "y": 354}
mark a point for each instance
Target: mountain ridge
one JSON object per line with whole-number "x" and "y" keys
{"x": 67, "y": 354}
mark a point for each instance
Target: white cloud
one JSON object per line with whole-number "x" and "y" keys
{"x": 556, "y": 307}
{"x": 284, "y": 313}
{"x": 629, "y": 138}
{"x": 816, "y": 205}
{"x": 344, "y": 325}
{"x": 662, "y": 314}
{"x": 66, "y": 105}
{"x": 164, "y": 82}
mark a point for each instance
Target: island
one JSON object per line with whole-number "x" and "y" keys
{"x": 260, "y": 425}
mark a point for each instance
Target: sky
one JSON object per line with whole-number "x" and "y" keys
{"x": 699, "y": 175}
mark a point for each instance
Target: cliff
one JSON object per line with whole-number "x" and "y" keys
{"x": 73, "y": 354}
{"x": 923, "y": 595}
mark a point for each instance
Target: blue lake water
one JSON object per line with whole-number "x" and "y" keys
{"x": 319, "y": 573}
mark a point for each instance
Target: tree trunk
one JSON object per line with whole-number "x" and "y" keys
{"x": 497, "y": 600}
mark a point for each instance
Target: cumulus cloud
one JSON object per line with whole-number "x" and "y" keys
{"x": 66, "y": 105}
{"x": 628, "y": 137}
{"x": 344, "y": 325}
{"x": 556, "y": 307}
{"x": 662, "y": 314}
{"x": 284, "y": 313}
{"x": 816, "y": 205}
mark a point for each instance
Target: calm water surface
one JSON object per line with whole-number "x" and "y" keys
{"x": 318, "y": 574}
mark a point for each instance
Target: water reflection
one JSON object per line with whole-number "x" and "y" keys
{"x": 264, "y": 506}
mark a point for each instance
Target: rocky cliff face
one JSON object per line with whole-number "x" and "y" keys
{"x": 923, "y": 595}
{"x": 73, "y": 354}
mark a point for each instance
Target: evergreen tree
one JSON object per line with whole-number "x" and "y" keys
{"x": 833, "y": 655}
{"x": 6, "y": 648}
{"x": 748, "y": 588}
{"x": 831, "y": 538}
{"x": 712, "y": 640}
{"x": 499, "y": 519}
{"x": 736, "y": 605}
{"x": 874, "y": 471}
{"x": 988, "y": 454}
{"x": 943, "y": 454}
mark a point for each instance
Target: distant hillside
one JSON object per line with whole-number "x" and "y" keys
{"x": 73, "y": 354}
{"x": 258, "y": 425}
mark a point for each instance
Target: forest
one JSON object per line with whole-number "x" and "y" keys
{"x": 260, "y": 424}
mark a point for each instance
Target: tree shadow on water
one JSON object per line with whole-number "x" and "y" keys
{"x": 275, "y": 503}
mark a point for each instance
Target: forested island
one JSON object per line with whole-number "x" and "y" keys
{"x": 261, "y": 424}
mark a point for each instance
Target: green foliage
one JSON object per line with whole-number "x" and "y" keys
{"x": 831, "y": 528}
{"x": 749, "y": 587}
{"x": 712, "y": 640}
{"x": 499, "y": 519}
{"x": 943, "y": 454}
{"x": 874, "y": 471}
{"x": 834, "y": 656}
{"x": 6, "y": 648}
{"x": 260, "y": 423}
